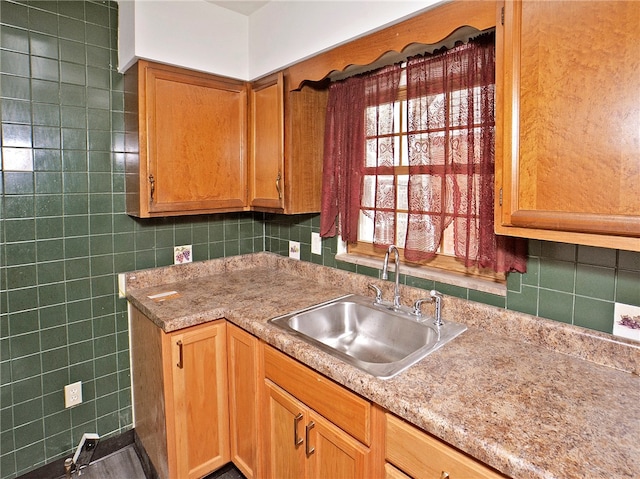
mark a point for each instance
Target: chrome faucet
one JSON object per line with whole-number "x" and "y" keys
{"x": 385, "y": 274}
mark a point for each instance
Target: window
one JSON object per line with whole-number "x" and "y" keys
{"x": 409, "y": 157}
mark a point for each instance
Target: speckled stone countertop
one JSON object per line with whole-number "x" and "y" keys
{"x": 530, "y": 397}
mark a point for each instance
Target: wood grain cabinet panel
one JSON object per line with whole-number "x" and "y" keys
{"x": 302, "y": 444}
{"x": 245, "y": 388}
{"x": 423, "y": 456}
{"x": 185, "y": 141}
{"x": 180, "y": 396}
{"x": 287, "y": 145}
{"x": 568, "y": 110}
{"x": 314, "y": 428}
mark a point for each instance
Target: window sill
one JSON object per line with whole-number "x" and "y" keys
{"x": 431, "y": 274}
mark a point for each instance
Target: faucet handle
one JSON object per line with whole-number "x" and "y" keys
{"x": 378, "y": 292}
{"x": 437, "y": 298}
{"x": 416, "y": 306}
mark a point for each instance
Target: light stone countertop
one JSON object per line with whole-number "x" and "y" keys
{"x": 530, "y": 397}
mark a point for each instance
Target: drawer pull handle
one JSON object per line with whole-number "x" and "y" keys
{"x": 309, "y": 427}
{"x": 444, "y": 475}
{"x": 297, "y": 440}
{"x": 180, "y": 362}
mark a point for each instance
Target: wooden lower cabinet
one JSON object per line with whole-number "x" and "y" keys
{"x": 415, "y": 453}
{"x": 180, "y": 396}
{"x": 245, "y": 388}
{"x": 210, "y": 394}
{"x": 300, "y": 441}
{"x": 302, "y": 444}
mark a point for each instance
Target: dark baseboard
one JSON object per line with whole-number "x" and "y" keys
{"x": 55, "y": 470}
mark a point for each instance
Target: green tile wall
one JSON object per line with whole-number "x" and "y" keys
{"x": 64, "y": 235}
{"x": 564, "y": 282}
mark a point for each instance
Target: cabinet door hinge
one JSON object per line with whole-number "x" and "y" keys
{"x": 500, "y": 197}
{"x": 502, "y": 16}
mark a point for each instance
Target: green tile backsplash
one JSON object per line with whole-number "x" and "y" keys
{"x": 64, "y": 234}
{"x": 64, "y": 237}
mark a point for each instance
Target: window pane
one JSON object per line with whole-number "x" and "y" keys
{"x": 403, "y": 193}
{"x": 426, "y": 148}
{"x": 365, "y": 226}
{"x": 401, "y": 228}
{"x": 447, "y": 241}
{"x": 382, "y": 152}
{"x": 380, "y": 194}
{"x": 426, "y": 112}
{"x": 424, "y": 190}
{"x": 381, "y": 120}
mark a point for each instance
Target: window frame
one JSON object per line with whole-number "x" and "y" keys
{"x": 442, "y": 261}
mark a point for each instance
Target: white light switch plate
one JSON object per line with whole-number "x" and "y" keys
{"x": 294, "y": 249}
{"x": 316, "y": 243}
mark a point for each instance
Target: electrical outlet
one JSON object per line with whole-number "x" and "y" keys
{"x": 73, "y": 394}
{"x": 316, "y": 243}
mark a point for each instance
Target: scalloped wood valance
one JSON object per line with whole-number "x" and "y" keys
{"x": 429, "y": 27}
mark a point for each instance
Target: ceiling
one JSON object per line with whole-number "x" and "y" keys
{"x": 245, "y": 7}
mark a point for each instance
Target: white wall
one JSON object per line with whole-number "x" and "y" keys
{"x": 202, "y": 36}
{"x": 189, "y": 33}
{"x": 284, "y": 32}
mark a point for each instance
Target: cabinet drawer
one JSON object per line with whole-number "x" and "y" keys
{"x": 349, "y": 412}
{"x": 421, "y": 455}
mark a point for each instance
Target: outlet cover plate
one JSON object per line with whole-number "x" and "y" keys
{"x": 316, "y": 243}
{"x": 73, "y": 394}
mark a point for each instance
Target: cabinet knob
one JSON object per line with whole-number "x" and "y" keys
{"x": 297, "y": 440}
{"x": 444, "y": 475}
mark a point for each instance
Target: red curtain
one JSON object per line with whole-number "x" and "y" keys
{"x": 450, "y": 135}
{"x": 346, "y": 148}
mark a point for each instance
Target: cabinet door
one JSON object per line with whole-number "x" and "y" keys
{"x": 192, "y": 142}
{"x": 568, "y": 148}
{"x": 304, "y": 149}
{"x": 285, "y": 419}
{"x": 244, "y": 400}
{"x": 332, "y": 453}
{"x": 199, "y": 441}
{"x": 267, "y": 144}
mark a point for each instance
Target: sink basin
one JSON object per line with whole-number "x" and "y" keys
{"x": 378, "y": 340}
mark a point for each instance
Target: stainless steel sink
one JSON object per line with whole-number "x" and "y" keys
{"x": 372, "y": 337}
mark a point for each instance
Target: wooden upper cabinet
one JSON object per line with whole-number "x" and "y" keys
{"x": 568, "y": 110}
{"x": 186, "y": 141}
{"x": 287, "y": 138}
{"x": 267, "y": 143}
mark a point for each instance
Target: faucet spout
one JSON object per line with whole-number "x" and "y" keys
{"x": 385, "y": 274}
